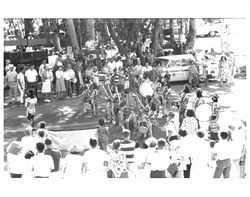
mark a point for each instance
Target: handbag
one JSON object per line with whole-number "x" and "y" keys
{"x": 173, "y": 169}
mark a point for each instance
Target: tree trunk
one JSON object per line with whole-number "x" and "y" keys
{"x": 57, "y": 43}
{"x": 157, "y": 35}
{"x": 72, "y": 33}
{"x": 172, "y": 39}
{"x": 90, "y": 28}
{"x": 191, "y": 35}
{"x": 114, "y": 37}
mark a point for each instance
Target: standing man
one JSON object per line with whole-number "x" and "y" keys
{"x": 54, "y": 153}
{"x": 128, "y": 149}
{"x": 7, "y": 65}
{"x": 32, "y": 78}
{"x": 41, "y": 68}
{"x": 223, "y": 151}
{"x": 11, "y": 80}
{"x": 21, "y": 84}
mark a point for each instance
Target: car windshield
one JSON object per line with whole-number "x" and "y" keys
{"x": 185, "y": 62}
{"x": 174, "y": 63}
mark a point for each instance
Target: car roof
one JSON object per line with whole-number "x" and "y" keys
{"x": 175, "y": 57}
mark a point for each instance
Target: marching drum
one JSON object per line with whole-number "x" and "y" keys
{"x": 203, "y": 112}
{"x": 146, "y": 89}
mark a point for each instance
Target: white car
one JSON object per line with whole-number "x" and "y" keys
{"x": 178, "y": 67}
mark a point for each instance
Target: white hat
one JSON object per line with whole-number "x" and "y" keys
{"x": 151, "y": 140}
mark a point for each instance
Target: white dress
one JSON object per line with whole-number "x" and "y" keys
{"x": 46, "y": 87}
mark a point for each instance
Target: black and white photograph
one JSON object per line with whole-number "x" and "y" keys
{"x": 112, "y": 98}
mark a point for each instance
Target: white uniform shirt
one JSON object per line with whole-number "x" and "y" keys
{"x": 31, "y": 75}
{"x": 15, "y": 163}
{"x": 223, "y": 149}
{"x": 20, "y": 77}
{"x": 69, "y": 74}
{"x": 42, "y": 165}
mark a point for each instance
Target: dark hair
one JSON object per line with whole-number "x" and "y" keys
{"x": 224, "y": 135}
{"x": 186, "y": 89}
{"x": 200, "y": 134}
{"x": 215, "y": 98}
{"x": 190, "y": 113}
{"x": 137, "y": 144}
{"x": 21, "y": 68}
{"x": 145, "y": 76}
{"x": 213, "y": 118}
{"x": 125, "y": 134}
{"x": 48, "y": 141}
{"x": 29, "y": 154}
{"x": 116, "y": 145}
{"x": 31, "y": 93}
{"x": 175, "y": 137}
{"x": 144, "y": 145}
{"x": 149, "y": 99}
{"x": 161, "y": 143}
{"x": 182, "y": 132}
{"x": 171, "y": 114}
{"x": 93, "y": 142}
{"x": 42, "y": 125}
{"x": 101, "y": 122}
{"x": 40, "y": 147}
{"x": 153, "y": 107}
{"x": 199, "y": 93}
{"x": 41, "y": 133}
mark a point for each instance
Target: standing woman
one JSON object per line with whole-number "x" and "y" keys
{"x": 60, "y": 85}
{"x": 30, "y": 103}
{"x": 223, "y": 70}
{"x": 47, "y": 78}
{"x": 183, "y": 103}
{"x": 94, "y": 99}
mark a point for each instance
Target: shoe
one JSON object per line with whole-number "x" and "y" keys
{"x": 49, "y": 101}
{"x": 45, "y": 100}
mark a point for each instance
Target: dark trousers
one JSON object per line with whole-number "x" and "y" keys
{"x": 32, "y": 85}
{"x": 223, "y": 167}
{"x": 158, "y": 174}
{"x": 12, "y": 175}
{"x": 68, "y": 85}
{"x": 77, "y": 85}
{"x": 187, "y": 171}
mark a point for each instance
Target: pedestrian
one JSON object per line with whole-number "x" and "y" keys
{"x": 118, "y": 164}
{"x": 15, "y": 159}
{"x": 94, "y": 99}
{"x": 73, "y": 163}
{"x": 215, "y": 106}
{"x": 223, "y": 150}
{"x": 69, "y": 76}
{"x": 31, "y": 76}
{"x": 127, "y": 148}
{"x": 103, "y": 135}
{"x": 190, "y": 123}
{"x": 223, "y": 70}
{"x": 42, "y": 68}
{"x": 54, "y": 153}
{"x": 193, "y": 78}
{"x": 213, "y": 128}
{"x": 205, "y": 65}
{"x": 21, "y": 84}
{"x": 170, "y": 127}
{"x": 30, "y": 103}
{"x": 11, "y": 80}
{"x": 42, "y": 164}
{"x": 95, "y": 162}
{"x": 47, "y": 78}
{"x": 60, "y": 84}
{"x": 159, "y": 160}
{"x": 184, "y": 102}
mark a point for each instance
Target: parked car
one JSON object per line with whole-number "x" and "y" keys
{"x": 178, "y": 67}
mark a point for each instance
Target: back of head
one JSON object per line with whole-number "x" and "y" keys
{"x": 182, "y": 132}
{"x": 137, "y": 144}
{"x": 31, "y": 93}
{"x": 200, "y": 134}
{"x": 41, "y": 133}
{"x": 224, "y": 135}
{"x": 190, "y": 113}
{"x": 42, "y": 125}
{"x": 186, "y": 89}
{"x": 29, "y": 154}
{"x": 126, "y": 133}
{"x": 40, "y": 147}
{"x": 161, "y": 143}
{"x": 93, "y": 143}
{"x": 101, "y": 122}
{"x": 116, "y": 144}
{"x": 48, "y": 142}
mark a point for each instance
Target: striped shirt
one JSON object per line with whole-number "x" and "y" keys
{"x": 128, "y": 149}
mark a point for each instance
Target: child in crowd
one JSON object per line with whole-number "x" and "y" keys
{"x": 213, "y": 129}
{"x": 103, "y": 135}
{"x": 30, "y": 103}
{"x": 215, "y": 106}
